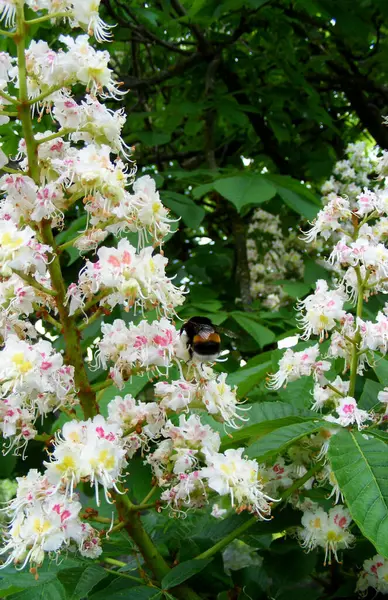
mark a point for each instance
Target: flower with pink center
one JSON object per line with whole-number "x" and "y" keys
{"x": 349, "y": 413}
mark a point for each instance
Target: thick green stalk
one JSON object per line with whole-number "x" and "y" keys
{"x": 153, "y": 559}
{"x": 228, "y": 538}
{"x": 357, "y": 335}
{"x": 86, "y": 395}
{"x": 72, "y": 342}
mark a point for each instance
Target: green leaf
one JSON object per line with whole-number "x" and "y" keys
{"x": 201, "y": 190}
{"x": 9, "y": 591}
{"x": 117, "y": 585}
{"x": 360, "y": 463}
{"x": 314, "y": 271}
{"x": 209, "y": 306}
{"x": 298, "y": 393}
{"x": 252, "y": 373}
{"x": 184, "y": 571}
{"x": 296, "y": 196}
{"x": 380, "y": 367}
{"x": 244, "y": 190}
{"x": 73, "y": 230}
{"x": 153, "y": 138}
{"x": 265, "y": 418}
{"x": 183, "y": 206}
{"x": 138, "y": 592}
{"x": 381, "y": 435}
{"x": 7, "y": 462}
{"x": 52, "y": 590}
{"x": 297, "y": 203}
{"x": 10, "y": 576}
{"x": 295, "y": 289}
{"x": 278, "y": 440}
{"x": 368, "y": 399}
{"x": 261, "y": 334}
{"x": 79, "y": 582}
{"x": 296, "y": 186}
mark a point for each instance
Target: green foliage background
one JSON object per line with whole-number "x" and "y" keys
{"x": 287, "y": 85}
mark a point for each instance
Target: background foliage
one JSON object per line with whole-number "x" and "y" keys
{"x": 234, "y": 105}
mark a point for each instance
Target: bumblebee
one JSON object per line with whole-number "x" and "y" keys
{"x": 203, "y": 340}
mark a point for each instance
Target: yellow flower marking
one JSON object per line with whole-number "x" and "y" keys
{"x": 11, "y": 243}
{"x": 21, "y": 363}
{"x": 41, "y": 527}
{"x": 67, "y": 463}
{"x": 106, "y": 459}
{"x": 316, "y": 523}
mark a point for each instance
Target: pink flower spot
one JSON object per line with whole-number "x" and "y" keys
{"x": 112, "y": 260}
{"x": 278, "y": 469}
{"x": 100, "y": 432}
{"x": 65, "y": 515}
{"x": 341, "y": 522}
{"x": 126, "y": 258}
{"x": 141, "y": 340}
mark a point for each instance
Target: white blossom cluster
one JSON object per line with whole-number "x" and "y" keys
{"x": 327, "y": 530}
{"x": 124, "y": 276}
{"x": 272, "y": 256}
{"x": 374, "y": 574}
{"x": 33, "y": 381}
{"x": 80, "y": 13}
{"x": 352, "y": 227}
{"x": 136, "y": 348}
{"x": 353, "y": 174}
{"x": 45, "y": 520}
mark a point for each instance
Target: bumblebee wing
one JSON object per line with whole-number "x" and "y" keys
{"x": 227, "y": 332}
{"x": 204, "y": 331}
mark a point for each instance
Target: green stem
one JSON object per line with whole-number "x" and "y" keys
{"x": 33, "y": 283}
{"x": 43, "y": 437}
{"x": 47, "y": 317}
{"x": 68, "y": 244}
{"x": 152, "y": 557}
{"x": 143, "y": 506}
{"x": 54, "y": 136}
{"x": 7, "y": 33}
{"x": 9, "y": 98}
{"x": 301, "y": 481}
{"x": 332, "y": 387}
{"x": 13, "y": 171}
{"x": 228, "y": 538}
{"x": 120, "y": 574}
{"x": 57, "y": 15}
{"x": 98, "y": 519}
{"x": 97, "y": 298}
{"x": 24, "y": 109}
{"x": 102, "y": 385}
{"x": 87, "y": 396}
{"x": 357, "y": 335}
{"x": 44, "y": 95}
{"x": 94, "y": 317}
{"x": 149, "y": 495}
{"x": 115, "y": 562}
{"x": 117, "y": 528}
